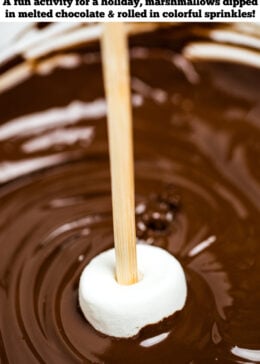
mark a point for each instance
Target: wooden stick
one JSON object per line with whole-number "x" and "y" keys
{"x": 117, "y": 87}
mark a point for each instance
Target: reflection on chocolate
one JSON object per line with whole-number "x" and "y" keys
{"x": 197, "y": 158}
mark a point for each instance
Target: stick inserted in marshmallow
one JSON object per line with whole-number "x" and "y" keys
{"x": 122, "y": 311}
{"x": 117, "y": 298}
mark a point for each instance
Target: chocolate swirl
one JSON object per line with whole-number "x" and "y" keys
{"x": 197, "y": 195}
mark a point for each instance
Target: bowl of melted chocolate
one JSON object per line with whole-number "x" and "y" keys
{"x": 196, "y": 109}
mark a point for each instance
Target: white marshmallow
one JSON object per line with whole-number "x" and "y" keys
{"x": 122, "y": 311}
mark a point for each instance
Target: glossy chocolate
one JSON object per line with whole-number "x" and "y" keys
{"x": 197, "y": 162}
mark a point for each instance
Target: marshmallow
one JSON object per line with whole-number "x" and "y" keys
{"x": 122, "y": 311}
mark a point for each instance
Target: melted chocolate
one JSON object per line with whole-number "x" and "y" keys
{"x": 196, "y": 130}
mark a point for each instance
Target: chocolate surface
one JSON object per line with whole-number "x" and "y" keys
{"x": 197, "y": 159}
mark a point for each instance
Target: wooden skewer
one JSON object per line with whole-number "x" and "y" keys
{"x": 117, "y": 87}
